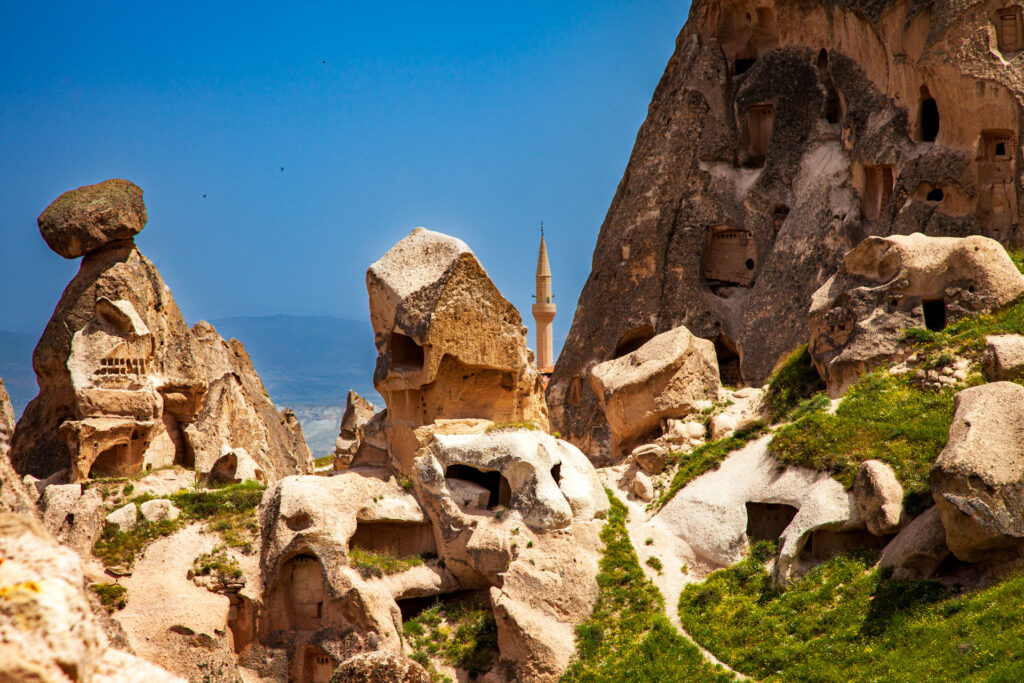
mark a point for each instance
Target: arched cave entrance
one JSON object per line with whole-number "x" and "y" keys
{"x": 767, "y": 521}
{"x": 879, "y": 182}
{"x": 728, "y": 362}
{"x": 632, "y": 340}
{"x": 500, "y": 491}
{"x": 120, "y": 459}
{"x": 822, "y": 545}
{"x": 305, "y": 594}
{"x": 934, "y": 312}
{"x": 832, "y": 107}
{"x": 929, "y": 119}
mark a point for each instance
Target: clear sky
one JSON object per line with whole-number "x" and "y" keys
{"x": 476, "y": 119}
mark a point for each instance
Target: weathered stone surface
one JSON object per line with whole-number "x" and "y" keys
{"x": 124, "y": 518}
{"x": 772, "y": 146}
{"x": 651, "y": 458}
{"x": 1004, "y": 356}
{"x": 380, "y": 667}
{"x": 15, "y": 496}
{"x": 978, "y": 477}
{"x": 239, "y": 434}
{"x": 713, "y": 513}
{"x": 42, "y": 585}
{"x": 918, "y": 549}
{"x": 84, "y": 220}
{"x": 662, "y": 379}
{"x": 449, "y": 345}
{"x": 158, "y": 510}
{"x": 117, "y": 372}
{"x": 879, "y": 497}
{"x": 887, "y": 285}
{"x": 358, "y": 411}
{"x": 642, "y": 487}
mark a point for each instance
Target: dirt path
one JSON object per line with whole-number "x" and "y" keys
{"x": 651, "y": 539}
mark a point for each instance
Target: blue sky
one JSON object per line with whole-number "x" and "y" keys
{"x": 475, "y": 119}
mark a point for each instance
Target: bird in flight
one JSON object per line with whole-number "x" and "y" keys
{"x": 282, "y": 168}
{"x": 204, "y": 196}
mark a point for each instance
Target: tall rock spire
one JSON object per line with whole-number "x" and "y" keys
{"x": 544, "y": 309}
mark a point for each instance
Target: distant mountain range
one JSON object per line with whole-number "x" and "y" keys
{"x": 307, "y": 363}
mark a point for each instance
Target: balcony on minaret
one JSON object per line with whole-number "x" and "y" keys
{"x": 544, "y": 311}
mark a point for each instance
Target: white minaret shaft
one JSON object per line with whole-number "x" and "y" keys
{"x": 544, "y": 310}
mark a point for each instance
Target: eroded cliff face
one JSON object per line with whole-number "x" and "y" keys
{"x": 781, "y": 135}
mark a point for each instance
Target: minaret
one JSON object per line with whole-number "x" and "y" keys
{"x": 544, "y": 309}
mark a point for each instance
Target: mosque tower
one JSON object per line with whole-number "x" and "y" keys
{"x": 544, "y": 309}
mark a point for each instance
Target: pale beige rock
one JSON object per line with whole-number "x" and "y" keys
{"x": 239, "y": 435}
{"x": 742, "y": 408}
{"x": 886, "y": 285}
{"x": 449, "y": 345}
{"x": 380, "y": 667}
{"x": 42, "y": 585}
{"x": 165, "y": 482}
{"x": 642, "y": 487}
{"x": 977, "y": 478}
{"x": 89, "y": 218}
{"x": 650, "y": 457}
{"x": 158, "y": 510}
{"x": 879, "y": 497}
{"x": 124, "y": 518}
{"x": 1004, "y": 356}
{"x": 57, "y": 503}
{"x": 684, "y": 432}
{"x": 918, "y": 549}
{"x": 661, "y": 379}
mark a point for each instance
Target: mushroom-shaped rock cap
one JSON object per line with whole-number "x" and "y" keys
{"x": 84, "y": 220}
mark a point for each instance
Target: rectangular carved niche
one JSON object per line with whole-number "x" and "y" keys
{"x": 760, "y": 119}
{"x": 730, "y": 256}
{"x": 878, "y": 184}
{"x": 1009, "y": 29}
{"x": 997, "y": 197}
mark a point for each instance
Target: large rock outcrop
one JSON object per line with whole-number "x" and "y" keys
{"x": 14, "y": 497}
{"x": 449, "y": 344}
{"x": 122, "y": 381}
{"x": 978, "y": 479}
{"x": 664, "y": 378}
{"x": 888, "y": 284}
{"x": 779, "y": 137}
{"x": 239, "y": 434}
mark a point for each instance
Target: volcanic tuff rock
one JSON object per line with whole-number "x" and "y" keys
{"x": 887, "y": 285}
{"x": 14, "y": 497}
{"x": 779, "y": 137}
{"x": 86, "y": 219}
{"x": 918, "y": 549}
{"x": 122, "y": 381}
{"x": 978, "y": 477}
{"x": 1004, "y": 356}
{"x": 879, "y": 497}
{"x": 449, "y": 344}
{"x": 663, "y": 378}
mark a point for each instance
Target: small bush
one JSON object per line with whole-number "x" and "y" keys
{"x": 219, "y": 564}
{"x": 113, "y": 596}
{"x": 654, "y": 563}
{"x": 371, "y": 563}
{"x": 793, "y": 382}
{"x": 504, "y": 426}
{"x": 120, "y": 548}
{"x": 460, "y": 633}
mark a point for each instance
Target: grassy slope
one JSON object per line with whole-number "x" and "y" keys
{"x": 628, "y": 638}
{"x": 846, "y": 622}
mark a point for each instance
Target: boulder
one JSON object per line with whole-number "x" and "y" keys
{"x": 57, "y": 502}
{"x": 158, "y": 510}
{"x": 661, "y": 379}
{"x": 888, "y": 284}
{"x": 1004, "y": 356}
{"x": 977, "y": 479}
{"x": 918, "y": 549}
{"x": 239, "y": 435}
{"x": 84, "y": 220}
{"x": 124, "y": 518}
{"x": 358, "y": 411}
{"x": 642, "y": 487}
{"x": 448, "y": 343}
{"x": 651, "y": 458}
{"x": 380, "y": 667}
{"x": 43, "y": 586}
{"x": 750, "y": 497}
{"x": 879, "y": 497}
{"x": 16, "y": 495}
{"x": 684, "y": 432}
{"x": 773, "y": 145}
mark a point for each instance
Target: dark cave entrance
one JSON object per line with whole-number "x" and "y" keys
{"x": 632, "y": 340}
{"x": 496, "y": 484}
{"x": 929, "y": 116}
{"x": 406, "y": 354}
{"x": 767, "y": 521}
{"x": 728, "y": 362}
{"x": 934, "y": 314}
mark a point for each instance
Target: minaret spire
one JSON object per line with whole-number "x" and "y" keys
{"x": 544, "y": 309}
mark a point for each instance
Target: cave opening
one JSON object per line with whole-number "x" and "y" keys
{"x": 743, "y": 64}
{"x": 935, "y": 195}
{"x": 406, "y": 354}
{"x": 306, "y": 592}
{"x": 1009, "y": 29}
{"x": 728, "y": 362}
{"x": 929, "y": 116}
{"x": 632, "y": 340}
{"x": 832, "y": 106}
{"x": 767, "y": 521}
{"x": 760, "y": 120}
{"x": 401, "y": 539}
{"x": 499, "y": 490}
{"x": 934, "y": 311}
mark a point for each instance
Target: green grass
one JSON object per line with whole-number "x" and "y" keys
{"x": 883, "y": 417}
{"x": 794, "y": 381}
{"x": 504, "y": 426}
{"x": 228, "y": 510}
{"x": 218, "y": 564}
{"x": 844, "y": 621}
{"x": 113, "y": 596}
{"x": 461, "y": 633}
{"x": 705, "y": 458}
{"x": 627, "y": 637}
{"x": 372, "y": 563}
{"x": 324, "y": 460}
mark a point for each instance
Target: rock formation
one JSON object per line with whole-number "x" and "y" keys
{"x": 977, "y": 479}
{"x": 449, "y": 345}
{"x": 122, "y": 381}
{"x": 358, "y": 412}
{"x": 779, "y": 137}
{"x": 13, "y": 495}
{"x": 886, "y": 285}
{"x": 665, "y": 378}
